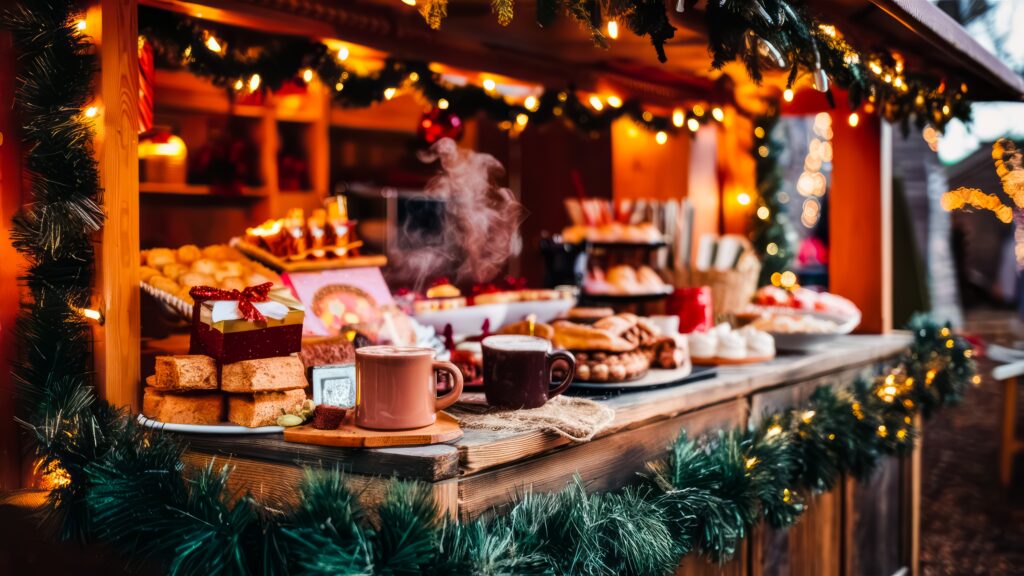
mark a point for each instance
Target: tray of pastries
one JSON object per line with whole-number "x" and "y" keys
{"x": 168, "y": 274}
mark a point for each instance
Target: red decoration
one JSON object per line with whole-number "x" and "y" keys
{"x": 438, "y": 124}
{"x": 146, "y": 72}
{"x": 693, "y": 306}
{"x": 245, "y": 298}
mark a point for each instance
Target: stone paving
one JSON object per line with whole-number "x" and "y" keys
{"x": 970, "y": 524}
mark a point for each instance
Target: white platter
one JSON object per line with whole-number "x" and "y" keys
{"x": 469, "y": 320}
{"x": 654, "y": 377}
{"x": 805, "y": 342}
{"x": 207, "y": 428}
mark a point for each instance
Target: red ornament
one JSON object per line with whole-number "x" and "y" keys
{"x": 438, "y": 124}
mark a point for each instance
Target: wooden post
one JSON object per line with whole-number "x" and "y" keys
{"x": 114, "y": 26}
{"x": 11, "y": 200}
{"x": 860, "y": 217}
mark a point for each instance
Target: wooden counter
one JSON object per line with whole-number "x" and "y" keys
{"x": 483, "y": 469}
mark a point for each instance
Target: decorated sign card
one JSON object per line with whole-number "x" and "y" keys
{"x": 338, "y": 300}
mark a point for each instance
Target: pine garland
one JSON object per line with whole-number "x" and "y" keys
{"x": 128, "y": 488}
{"x": 771, "y": 225}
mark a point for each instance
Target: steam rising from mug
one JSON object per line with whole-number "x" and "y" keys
{"x": 480, "y": 225}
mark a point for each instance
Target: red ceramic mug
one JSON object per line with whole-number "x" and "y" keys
{"x": 518, "y": 371}
{"x": 396, "y": 387}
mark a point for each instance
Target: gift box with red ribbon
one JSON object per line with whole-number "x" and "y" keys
{"x": 236, "y": 325}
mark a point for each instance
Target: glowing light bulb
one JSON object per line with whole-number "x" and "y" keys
{"x": 717, "y": 114}
{"x": 254, "y": 82}
{"x": 759, "y": 132}
{"x": 91, "y": 314}
{"x": 661, "y": 137}
{"x": 489, "y": 84}
{"x": 307, "y": 75}
{"x": 92, "y": 112}
{"x": 339, "y": 87}
{"x": 409, "y": 2}
{"x": 787, "y": 95}
{"x": 808, "y": 415}
{"x": 531, "y": 103}
{"x": 773, "y": 430}
{"x": 614, "y": 101}
{"x": 389, "y": 93}
{"x": 743, "y": 198}
{"x": 945, "y": 109}
{"x": 693, "y": 125}
{"x": 613, "y": 29}
{"x": 854, "y": 119}
{"x": 763, "y": 213}
{"x": 522, "y": 119}
{"x": 596, "y": 103}
{"x": 772, "y": 249}
{"x": 239, "y": 84}
{"x": 443, "y": 104}
{"x": 414, "y": 77}
{"x": 81, "y": 25}
{"x": 788, "y": 281}
{"x": 343, "y": 54}
{"x": 678, "y": 118}
{"x": 214, "y": 45}
{"x": 698, "y": 110}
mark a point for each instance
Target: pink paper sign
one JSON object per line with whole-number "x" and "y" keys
{"x": 337, "y": 300}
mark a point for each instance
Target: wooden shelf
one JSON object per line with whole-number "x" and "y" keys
{"x": 248, "y": 192}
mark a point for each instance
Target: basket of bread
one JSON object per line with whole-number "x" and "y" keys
{"x": 167, "y": 274}
{"x": 612, "y": 348}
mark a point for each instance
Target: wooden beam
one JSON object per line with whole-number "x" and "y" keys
{"x": 860, "y": 216}
{"x": 115, "y": 23}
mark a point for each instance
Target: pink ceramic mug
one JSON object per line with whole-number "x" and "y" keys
{"x": 396, "y": 387}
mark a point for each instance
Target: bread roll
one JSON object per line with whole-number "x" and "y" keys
{"x": 189, "y": 253}
{"x": 160, "y": 257}
{"x": 261, "y": 409}
{"x": 174, "y": 408}
{"x": 573, "y": 336}
{"x": 263, "y": 375}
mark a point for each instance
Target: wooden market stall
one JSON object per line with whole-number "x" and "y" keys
{"x": 294, "y": 146}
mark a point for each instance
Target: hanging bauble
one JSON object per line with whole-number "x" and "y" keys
{"x": 437, "y": 124}
{"x": 820, "y": 80}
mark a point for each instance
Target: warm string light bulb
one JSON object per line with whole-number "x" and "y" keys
{"x": 743, "y": 199}
{"x": 693, "y": 124}
{"x": 717, "y": 114}
{"x": 81, "y": 25}
{"x": 442, "y": 104}
{"x": 613, "y": 29}
{"x": 343, "y": 54}
{"x": 763, "y": 213}
{"x": 91, "y": 112}
{"x": 531, "y": 103}
{"x": 389, "y": 93}
{"x": 254, "y": 82}
{"x": 596, "y": 103}
{"x": 787, "y": 94}
{"x": 678, "y": 118}
{"x": 854, "y": 119}
{"x": 522, "y": 120}
{"x": 489, "y": 84}
{"x": 614, "y": 101}
{"x": 307, "y": 75}
{"x": 409, "y": 2}
{"x": 661, "y": 137}
{"x": 239, "y": 85}
{"x": 214, "y": 45}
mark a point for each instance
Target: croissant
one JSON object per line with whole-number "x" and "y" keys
{"x": 579, "y": 337}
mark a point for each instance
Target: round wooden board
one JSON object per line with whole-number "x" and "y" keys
{"x": 445, "y": 429}
{"x": 719, "y": 361}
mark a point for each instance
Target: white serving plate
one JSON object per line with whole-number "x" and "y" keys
{"x": 654, "y": 377}
{"x": 468, "y": 320}
{"x": 805, "y": 342}
{"x": 207, "y": 428}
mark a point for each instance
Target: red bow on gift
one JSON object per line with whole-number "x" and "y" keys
{"x": 245, "y": 298}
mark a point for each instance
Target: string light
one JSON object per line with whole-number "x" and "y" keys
{"x": 787, "y": 496}
{"x": 751, "y": 462}
{"x": 596, "y": 103}
{"x": 763, "y": 213}
{"x": 239, "y": 85}
{"x": 414, "y": 77}
{"x": 614, "y": 101}
{"x": 343, "y": 53}
{"x": 717, "y": 114}
{"x": 91, "y": 112}
{"x": 409, "y": 2}
{"x": 254, "y": 82}
{"x": 743, "y": 198}
{"x": 522, "y": 119}
{"x": 678, "y": 118}
{"x": 613, "y": 29}
{"x": 854, "y": 119}
{"x": 698, "y": 110}
{"x": 531, "y": 103}
{"x": 787, "y": 94}
{"x": 772, "y": 248}
{"x": 489, "y": 84}
{"x": 788, "y": 279}
{"x": 442, "y": 104}
{"x": 762, "y": 151}
{"x": 882, "y": 431}
{"x": 773, "y": 430}
{"x": 92, "y": 314}
{"x": 693, "y": 125}
{"x": 808, "y": 415}
{"x": 389, "y": 93}
{"x": 339, "y": 87}
{"x": 307, "y": 75}
{"x": 759, "y": 132}
{"x": 213, "y": 44}
{"x": 661, "y": 137}
{"x": 81, "y": 25}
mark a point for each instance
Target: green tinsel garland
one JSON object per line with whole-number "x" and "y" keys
{"x": 182, "y": 41}
{"x": 775, "y": 227}
{"x": 127, "y": 487}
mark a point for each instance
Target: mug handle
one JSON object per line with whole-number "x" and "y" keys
{"x": 561, "y": 356}
{"x": 448, "y": 399}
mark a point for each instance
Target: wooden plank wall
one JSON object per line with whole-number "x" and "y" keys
{"x": 115, "y": 23}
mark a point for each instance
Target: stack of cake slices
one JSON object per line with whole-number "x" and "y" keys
{"x": 187, "y": 390}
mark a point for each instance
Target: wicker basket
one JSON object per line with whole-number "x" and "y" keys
{"x": 731, "y": 290}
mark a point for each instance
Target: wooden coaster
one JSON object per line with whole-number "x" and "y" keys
{"x": 445, "y": 429}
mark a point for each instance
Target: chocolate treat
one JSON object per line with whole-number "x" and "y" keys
{"x": 328, "y": 417}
